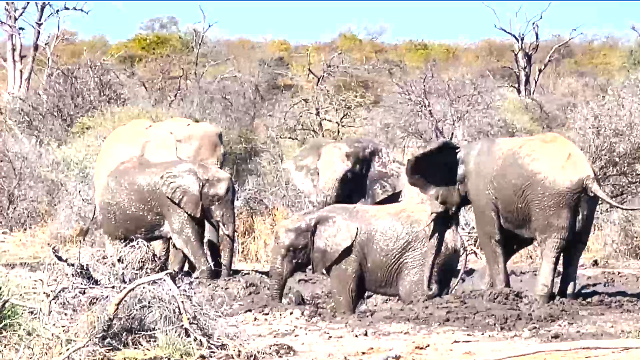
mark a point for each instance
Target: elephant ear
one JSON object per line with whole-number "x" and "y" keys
{"x": 332, "y": 236}
{"x": 182, "y": 185}
{"x": 437, "y": 167}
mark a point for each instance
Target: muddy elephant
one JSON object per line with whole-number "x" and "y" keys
{"x": 538, "y": 188}
{"x": 172, "y": 139}
{"x": 404, "y": 250}
{"x": 349, "y": 171}
{"x": 170, "y": 200}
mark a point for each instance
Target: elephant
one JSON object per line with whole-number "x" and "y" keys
{"x": 522, "y": 189}
{"x": 349, "y": 171}
{"x": 171, "y": 139}
{"x": 403, "y": 250}
{"x": 170, "y": 200}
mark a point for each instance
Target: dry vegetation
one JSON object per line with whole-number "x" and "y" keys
{"x": 269, "y": 97}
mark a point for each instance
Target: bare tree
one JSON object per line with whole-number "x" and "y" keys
{"x": 19, "y": 76}
{"x": 524, "y": 51}
{"x": 198, "y": 39}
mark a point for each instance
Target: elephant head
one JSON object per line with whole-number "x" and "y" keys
{"x": 297, "y": 246}
{"x": 439, "y": 173}
{"x": 349, "y": 171}
{"x": 207, "y": 193}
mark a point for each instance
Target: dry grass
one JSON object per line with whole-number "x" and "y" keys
{"x": 24, "y": 246}
{"x": 255, "y": 234}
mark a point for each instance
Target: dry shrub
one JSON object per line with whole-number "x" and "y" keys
{"x": 137, "y": 260}
{"x": 255, "y": 234}
{"x": 24, "y": 246}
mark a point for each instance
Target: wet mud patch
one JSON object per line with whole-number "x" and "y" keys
{"x": 608, "y": 306}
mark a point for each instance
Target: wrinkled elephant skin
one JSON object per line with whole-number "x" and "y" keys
{"x": 404, "y": 250}
{"x": 538, "y": 188}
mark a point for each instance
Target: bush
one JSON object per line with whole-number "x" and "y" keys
{"x": 69, "y": 94}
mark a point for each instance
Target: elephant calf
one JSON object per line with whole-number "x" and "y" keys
{"x": 170, "y": 200}
{"x": 394, "y": 250}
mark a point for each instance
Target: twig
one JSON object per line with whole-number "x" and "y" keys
{"x": 74, "y": 349}
{"x": 572, "y": 346}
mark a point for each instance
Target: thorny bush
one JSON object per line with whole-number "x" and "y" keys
{"x": 70, "y": 93}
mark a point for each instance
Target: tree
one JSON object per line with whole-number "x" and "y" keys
{"x": 19, "y": 76}
{"x": 525, "y": 50}
{"x": 161, "y": 24}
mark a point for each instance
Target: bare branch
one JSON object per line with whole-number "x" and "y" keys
{"x": 549, "y": 57}
{"x": 635, "y": 29}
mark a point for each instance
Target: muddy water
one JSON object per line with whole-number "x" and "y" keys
{"x": 608, "y": 306}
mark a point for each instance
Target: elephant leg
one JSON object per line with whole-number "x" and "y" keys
{"x": 347, "y": 288}
{"x": 177, "y": 261}
{"x": 491, "y": 244}
{"x": 573, "y": 251}
{"x": 163, "y": 250}
{"x": 552, "y": 248}
{"x": 188, "y": 236}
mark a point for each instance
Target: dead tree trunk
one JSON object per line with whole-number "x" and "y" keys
{"x": 527, "y": 74}
{"x": 19, "y": 77}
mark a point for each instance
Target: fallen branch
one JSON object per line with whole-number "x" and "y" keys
{"x": 625, "y": 344}
{"x": 74, "y": 349}
{"x": 115, "y": 305}
{"x": 183, "y": 312}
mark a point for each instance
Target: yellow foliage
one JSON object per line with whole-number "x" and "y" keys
{"x": 417, "y": 53}
{"x": 71, "y": 52}
{"x": 145, "y": 46}
{"x": 606, "y": 59}
{"x": 279, "y": 47}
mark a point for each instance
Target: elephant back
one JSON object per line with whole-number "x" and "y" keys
{"x": 171, "y": 139}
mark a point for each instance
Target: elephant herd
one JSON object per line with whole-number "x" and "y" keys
{"x": 378, "y": 225}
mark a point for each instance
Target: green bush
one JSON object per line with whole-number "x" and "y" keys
{"x": 10, "y": 314}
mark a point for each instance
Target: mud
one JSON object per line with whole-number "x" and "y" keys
{"x": 608, "y": 306}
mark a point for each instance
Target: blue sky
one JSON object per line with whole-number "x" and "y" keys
{"x": 306, "y": 21}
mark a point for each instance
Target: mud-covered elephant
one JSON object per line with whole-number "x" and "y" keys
{"x": 538, "y": 188}
{"x": 169, "y": 200}
{"x": 349, "y": 171}
{"x": 404, "y": 250}
{"x": 171, "y": 139}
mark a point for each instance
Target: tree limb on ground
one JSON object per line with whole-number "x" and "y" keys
{"x": 625, "y": 344}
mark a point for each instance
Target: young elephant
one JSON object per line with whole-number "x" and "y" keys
{"x": 170, "y": 200}
{"x": 394, "y": 250}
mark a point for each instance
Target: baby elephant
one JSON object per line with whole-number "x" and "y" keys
{"x": 404, "y": 250}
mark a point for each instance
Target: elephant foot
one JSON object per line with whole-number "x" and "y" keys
{"x": 543, "y": 299}
{"x": 207, "y": 274}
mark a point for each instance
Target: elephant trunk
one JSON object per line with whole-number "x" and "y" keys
{"x": 220, "y": 219}
{"x": 228, "y": 230}
{"x": 277, "y": 278}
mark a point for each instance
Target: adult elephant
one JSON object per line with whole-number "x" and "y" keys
{"x": 169, "y": 200}
{"x": 537, "y": 188}
{"x": 401, "y": 249}
{"x": 349, "y": 171}
{"x": 171, "y": 139}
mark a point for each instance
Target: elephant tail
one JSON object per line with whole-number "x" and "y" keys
{"x": 592, "y": 186}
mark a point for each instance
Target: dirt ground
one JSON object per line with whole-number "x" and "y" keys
{"x": 470, "y": 324}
